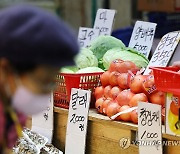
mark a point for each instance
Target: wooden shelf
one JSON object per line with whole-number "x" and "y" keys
{"x": 104, "y": 134}
{"x": 94, "y": 116}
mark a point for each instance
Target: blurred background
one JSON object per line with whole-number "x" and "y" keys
{"x": 166, "y": 13}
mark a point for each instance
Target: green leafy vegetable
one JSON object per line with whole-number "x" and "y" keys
{"x": 103, "y": 43}
{"x": 127, "y": 54}
{"x": 86, "y": 58}
{"x": 69, "y": 69}
{"x": 90, "y": 70}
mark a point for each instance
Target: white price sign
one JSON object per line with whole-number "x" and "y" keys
{"x": 86, "y": 35}
{"x": 164, "y": 51}
{"x": 42, "y": 123}
{"x": 149, "y": 128}
{"x": 142, "y": 37}
{"x": 104, "y": 21}
{"x": 77, "y": 121}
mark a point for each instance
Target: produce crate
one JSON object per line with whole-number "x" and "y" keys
{"x": 167, "y": 79}
{"x": 64, "y": 82}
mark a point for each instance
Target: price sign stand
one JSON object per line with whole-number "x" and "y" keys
{"x": 77, "y": 121}
{"x": 86, "y": 35}
{"x": 149, "y": 128}
{"x": 142, "y": 37}
{"x": 164, "y": 51}
{"x": 104, "y": 21}
{"x": 103, "y": 26}
{"x": 42, "y": 123}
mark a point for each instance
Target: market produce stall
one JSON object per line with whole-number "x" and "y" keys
{"x": 119, "y": 84}
{"x": 116, "y": 93}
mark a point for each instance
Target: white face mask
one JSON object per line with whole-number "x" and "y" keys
{"x": 28, "y": 103}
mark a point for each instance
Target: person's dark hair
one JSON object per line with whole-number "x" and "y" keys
{"x": 21, "y": 69}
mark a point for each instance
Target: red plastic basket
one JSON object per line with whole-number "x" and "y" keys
{"x": 87, "y": 81}
{"x": 167, "y": 79}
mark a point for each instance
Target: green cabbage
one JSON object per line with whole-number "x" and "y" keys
{"x": 90, "y": 70}
{"x": 66, "y": 70}
{"x": 102, "y": 44}
{"x": 127, "y": 54}
{"x": 108, "y": 57}
{"x": 86, "y": 58}
{"x": 69, "y": 69}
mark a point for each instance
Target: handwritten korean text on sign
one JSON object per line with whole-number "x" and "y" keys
{"x": 164, "y": 50}
{"x": 104, "y": 21}
{"x": 86, "y": 35}
{"x": 77, "y": 121}
{"x": 149, "y": 128}
{"x": 42, "y": 123}
{"x": 142, "y": 37}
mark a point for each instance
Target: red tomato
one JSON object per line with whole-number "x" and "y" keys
{"x": 123, "y": 81}
{"x": 134, "y": 116}
{"x": 136, "y": 84}
{"x": 105, "y": 104}
{"x": 149, "y": 85}
{"x": 99, "y": 103}
{"x": 113, "y": 65}
{"x": 107, "y": 90}
{"x": 112, "y": 108}
{"x": 174, "y": 107}
{"x": 113, "y": 78}
{"x": 157, "y": 98}
{"x": 124, "y": 97}
{"x": 105, "y": 78}
{"x": 115, "y": 92}
{"x": 138, "y": 98}
{"x": 99, "y": 92}
{"x": 125, "y": 116}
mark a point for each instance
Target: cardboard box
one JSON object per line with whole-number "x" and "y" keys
{"x": 159, "y": 5}
{"x": 172, "y": 125}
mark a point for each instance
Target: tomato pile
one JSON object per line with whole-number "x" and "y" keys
{"x": 122, "y": 88}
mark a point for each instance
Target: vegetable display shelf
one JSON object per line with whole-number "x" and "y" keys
{"x": 103, "y": 135}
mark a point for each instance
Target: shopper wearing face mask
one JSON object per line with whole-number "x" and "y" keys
{"x": 34, "y": 45}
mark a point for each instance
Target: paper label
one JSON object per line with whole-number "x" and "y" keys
{"x": 142, "y": 37}
{"x": 77, "y": 121}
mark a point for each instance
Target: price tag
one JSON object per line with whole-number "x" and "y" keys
{"x": 77, "y": 121}
{"x": 42, "y": 123}
{"x": 142, "y": 37}
{"x": 104, "y": 21}
{"x": 86, "y": 35}
{"x": 164, "y": 51}
{"x": 149, "y": 128}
